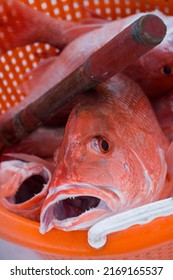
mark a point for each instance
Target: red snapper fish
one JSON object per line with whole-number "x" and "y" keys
{"x": 21, "y": 25}
{"x": 111, "y": 159}
{"x": 24, "y": 184}
{"x": 154, "y": 70}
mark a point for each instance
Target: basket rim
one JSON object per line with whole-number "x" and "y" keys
{"x": 25, "y": 233}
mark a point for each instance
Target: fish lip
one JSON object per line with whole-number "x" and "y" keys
{"x": 110, "y": 201}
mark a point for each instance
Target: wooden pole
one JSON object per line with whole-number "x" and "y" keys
{"x": 134, "y": 41}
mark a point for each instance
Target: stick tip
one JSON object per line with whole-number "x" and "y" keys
{"x": 149, "y": 30}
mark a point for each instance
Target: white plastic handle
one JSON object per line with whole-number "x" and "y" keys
{"x": 97, "y": 234}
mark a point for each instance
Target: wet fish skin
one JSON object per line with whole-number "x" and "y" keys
{"x": 154, "y": 70}
{"x": 113, "y": 150}
{"x": 42, "y": 142}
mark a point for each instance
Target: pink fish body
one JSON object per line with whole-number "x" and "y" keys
{"x": 42, "y": 142}
{"x": 112, "y": 158}
{"x": 24, "y": 185}
{"x": 154, "y": 70}
{"x": 21, "y": 25}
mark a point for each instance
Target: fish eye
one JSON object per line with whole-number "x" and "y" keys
{"x": 100, "y": 144}
{"x": 167, "y": 70}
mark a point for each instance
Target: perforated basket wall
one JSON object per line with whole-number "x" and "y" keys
{"x": 151, "y": 241}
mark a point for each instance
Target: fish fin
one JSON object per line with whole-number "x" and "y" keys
{"x": 31, "y": 158}
{"x": 20, "y": 25}
{"x": 94, "y": 21}
{"x": 41, "y": 66}
{"x": 90, "y": 14}
{"x": 16, "y": 25}
{"x": 25, "y": 146}
{"x": 85, "y": 27}
{"x": 35, "y": 76}
{"x": 43, "y": 142}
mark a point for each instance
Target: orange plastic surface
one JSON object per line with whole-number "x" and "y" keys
{"x": 151, "y": 241}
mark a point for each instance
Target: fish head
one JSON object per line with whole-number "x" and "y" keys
{"x": 96, "y": 172}
{"x": 154, "y": 70}
{"x": 23, "y": 186}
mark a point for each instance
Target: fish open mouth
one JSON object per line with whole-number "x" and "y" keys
{"x": 25, "y": 186}
{"x": 73, "y": 207}
{"x": 29, "y": 188}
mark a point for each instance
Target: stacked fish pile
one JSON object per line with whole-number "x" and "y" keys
{"x": 106, "y": 151}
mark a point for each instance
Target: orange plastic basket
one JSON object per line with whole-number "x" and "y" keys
{"x": 150, "y": 241}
